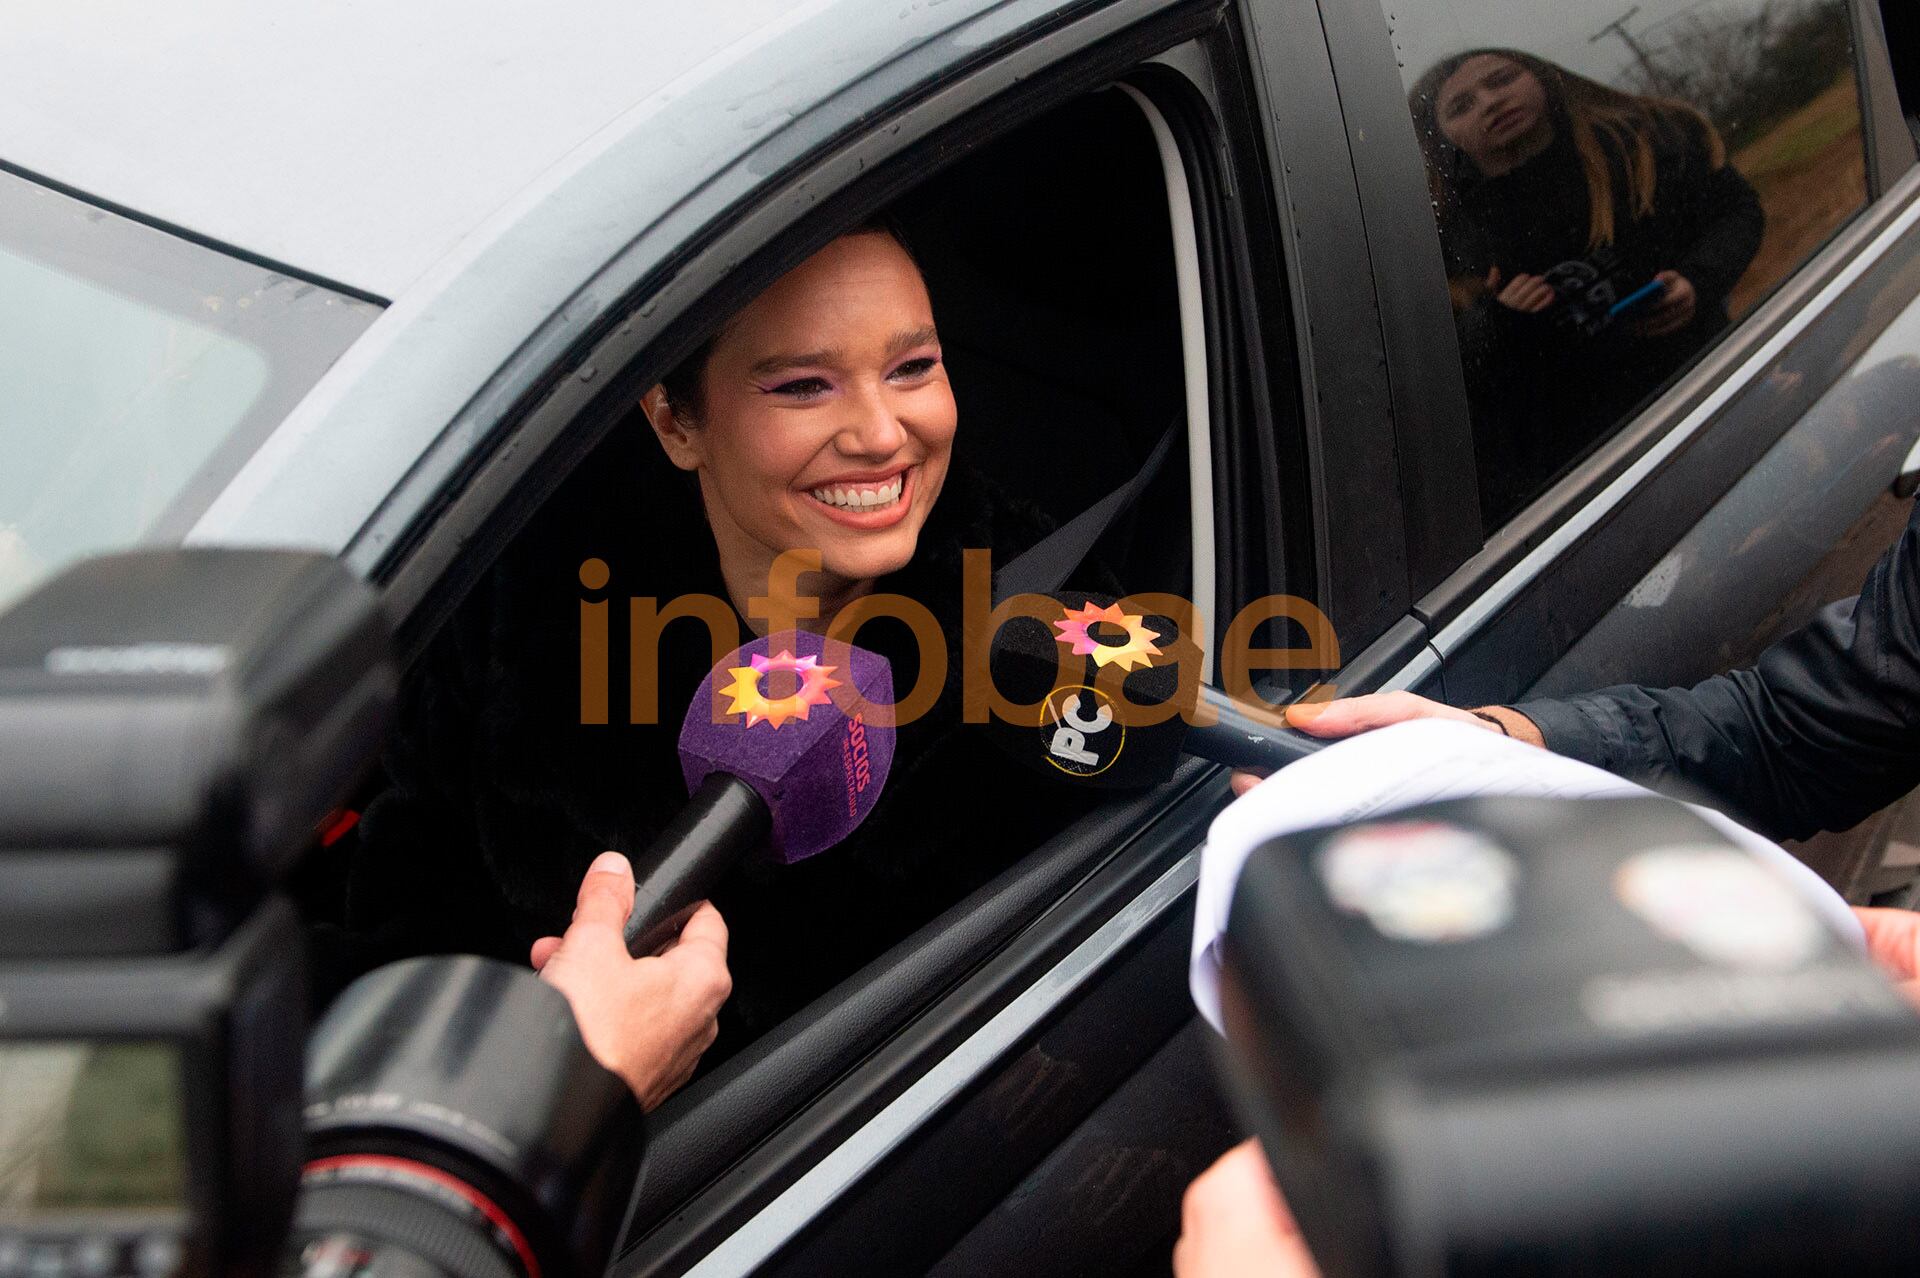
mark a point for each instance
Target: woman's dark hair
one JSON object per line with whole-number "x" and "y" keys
{"x": 1608, "y": 128}
{"x": 682, "y": 382}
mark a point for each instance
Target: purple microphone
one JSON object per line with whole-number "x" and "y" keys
{"x": 770, "y": 758}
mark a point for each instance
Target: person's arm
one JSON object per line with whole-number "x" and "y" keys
{"x": 1817, "y": 735}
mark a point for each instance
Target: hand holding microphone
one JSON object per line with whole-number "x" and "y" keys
{"x": 648, "y": 1019}
{"x": 771, "y": 761}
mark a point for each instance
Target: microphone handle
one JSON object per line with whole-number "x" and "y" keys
{"x": 724, "y": 821}
{"x": 1243, "y": 738}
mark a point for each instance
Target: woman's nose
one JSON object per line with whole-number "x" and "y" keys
{"x": 874, "y": 430}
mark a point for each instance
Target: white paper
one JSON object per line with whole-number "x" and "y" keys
{"x": 1420, "y": 761}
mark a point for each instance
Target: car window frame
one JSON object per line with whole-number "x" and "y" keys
{"x": 1345, "y": 442}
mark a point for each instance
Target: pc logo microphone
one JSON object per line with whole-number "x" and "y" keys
{"x": 1078, "y": 731}
{"x": 1085, "y": 734}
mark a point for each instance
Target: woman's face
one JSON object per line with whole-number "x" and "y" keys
{"x": 826, "y": 421}
{"x": 1495, "y": 110}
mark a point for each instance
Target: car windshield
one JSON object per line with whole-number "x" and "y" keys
{"x": 138, "y": 371}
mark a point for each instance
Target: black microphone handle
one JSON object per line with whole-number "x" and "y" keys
{"x": 724, "y": 821}
{"x": 1241, "y": 738}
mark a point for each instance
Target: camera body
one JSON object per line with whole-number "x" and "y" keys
{"x": 161, "y": 1106}
{"x": 1534, "y": 1036}
{"x": 176, "y": 729}
{"x": 172, "y": 725}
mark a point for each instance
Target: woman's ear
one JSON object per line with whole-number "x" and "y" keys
{"x": 682, "y": 448}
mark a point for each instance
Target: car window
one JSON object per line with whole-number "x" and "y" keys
{"x": 137, "y": 370}
{"x": 1614, "y": 189}
{"x": 541, "y": 724}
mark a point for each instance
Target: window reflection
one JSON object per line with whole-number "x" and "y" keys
{"x": 1612, "y": 195}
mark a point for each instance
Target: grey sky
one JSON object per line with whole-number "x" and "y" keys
{"x": 1424, "y": 31}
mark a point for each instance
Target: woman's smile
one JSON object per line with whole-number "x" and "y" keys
{"x": 865, "y": 500}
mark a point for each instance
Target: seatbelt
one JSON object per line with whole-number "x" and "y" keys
{"x": 1044, "y": 567}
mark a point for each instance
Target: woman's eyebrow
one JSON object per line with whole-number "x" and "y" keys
{"x": 781, "y": 363}
{"x": 925, "y": 335}
{"x": 906, "y": 339}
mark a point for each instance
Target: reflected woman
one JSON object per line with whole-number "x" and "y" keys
{"x": 1591, "y": 239}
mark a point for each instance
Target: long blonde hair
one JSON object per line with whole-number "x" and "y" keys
{"x": 1606, "y": 126}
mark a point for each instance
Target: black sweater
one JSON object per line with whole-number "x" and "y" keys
{"x": 1541, "y": 389}
{"x": 501, "y": 797}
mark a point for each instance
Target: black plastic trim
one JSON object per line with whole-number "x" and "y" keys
{"x": 1268, "y": 424}
{"x": 1107, "y": 1199}
{"x": 1350, "y": 452}
{"x": 1432, "y": 428}
{"x": 1063, "y": 1070}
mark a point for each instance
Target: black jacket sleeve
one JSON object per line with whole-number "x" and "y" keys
{"x": 1724, "y": 223}
{"x": 1817, "y": 735}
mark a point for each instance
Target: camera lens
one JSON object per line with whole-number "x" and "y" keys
{"x": 454, "y": 1114}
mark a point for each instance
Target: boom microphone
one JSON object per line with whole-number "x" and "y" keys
{"x": 1071, "y": 669}
{"x": 769, "y": 758}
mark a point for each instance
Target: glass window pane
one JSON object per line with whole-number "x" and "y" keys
{"x": 138, "y": 372}
{"x": 1614, "y": 187}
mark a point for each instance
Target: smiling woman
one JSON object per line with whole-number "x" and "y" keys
{"x": 818, "y": 417}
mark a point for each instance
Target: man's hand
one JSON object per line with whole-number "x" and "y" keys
{"x": 1350, "y": 716}
{"x": 1233, "y": 1223}
{"x": 1529, "y": 294}
{"x": 648, "y": 1019}
{"x": 1674, "y": 310}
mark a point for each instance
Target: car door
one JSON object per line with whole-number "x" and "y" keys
{"x": 1753, "y": 485}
